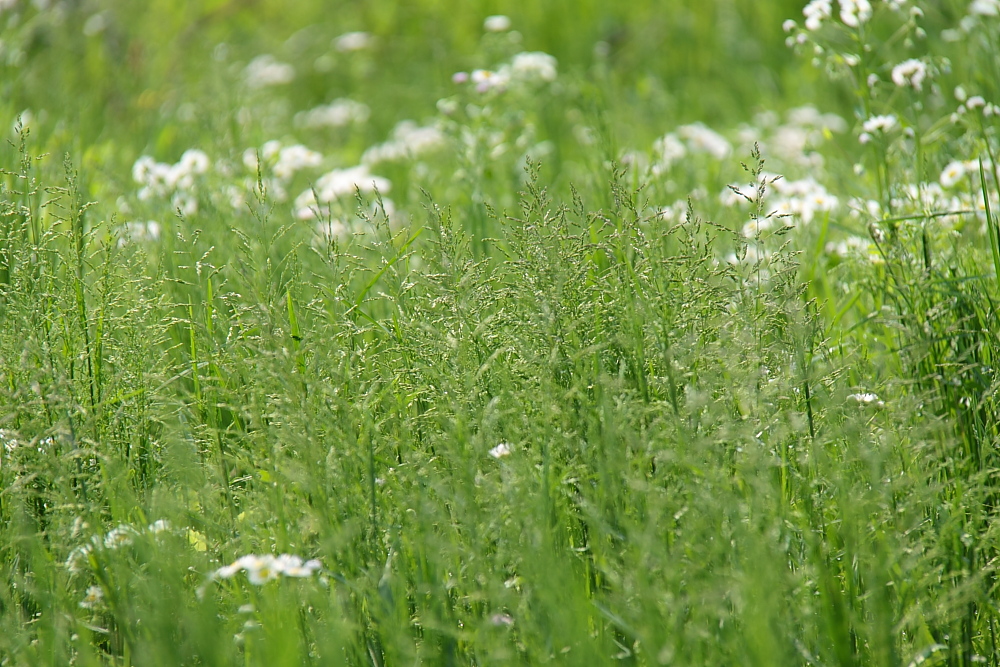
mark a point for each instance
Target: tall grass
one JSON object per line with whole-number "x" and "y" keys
{"x": 534, "y": 415}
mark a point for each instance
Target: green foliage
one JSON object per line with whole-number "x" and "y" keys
{"x": 560, "y": 401}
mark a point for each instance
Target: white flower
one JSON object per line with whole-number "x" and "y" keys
{"x": 789, "y": 25}
{"x": 496, "y": 23}
{"x": 985, "y": 7}
{"x": 855, "y": 12}
{"x": 975, "y": 102}
{"x": 500, "y": 451}
{"x": 194, "y": 161}
{"x": 880, "y": 123}
{"x": 266, "y": 70}
{"x": 534, "y": 66}
{"x": 292, "y": 566}
{"x": 294, "y": 158}
{"x": 409, "y": 141}
{"x": 952, "y": 174}
{"x": 262, "y": 569}
{"x": 119, "y": 537}
{"x": 487, "y": 80}
{"x": 910, "y": 72}
{"x": 668, "y": 149}
{"x": 867, "y": 398}
{"x": 353, "y": 41}
{"x": 185, "y": 203}
{"x": 338, "y": 113}
{"x": 159, "y": 526}
{"x": 815, "y": 12}
{"x": 77, "y": 558}
{"x": 334, "y": 185}
{"x": 701, "y": 139}
{"x": 93, "y": 598}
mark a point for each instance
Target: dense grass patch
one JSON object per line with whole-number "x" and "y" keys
{"x": 419, "y": 334}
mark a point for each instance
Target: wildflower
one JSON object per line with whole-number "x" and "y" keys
{"x": 867, "y": 398}
{"x": 409, "y": 140}
{"x": 487, "y": 80}
{"x": 504, "y": 620}
{"x": 266, "y": 70}
{"x": 952, "y": 174}
{"x": 338, "y": 113}
{"x": 459, "y": 78}
{"x": 855, "y": 12}
{"x": 880, "y": 123}
{"x": 815, "y": 12}
{"x": 534, "y": 66}
{"x": 789, "y": 25}
{"x": 292, "y": 566}
{"x": 262, "y": 569}
{"x": 194, "y": 161}
{"x": 910, "y": 72}
{"x": 985, "y": 7}
{"x": 159, "y": 526}
{"x": 704, "y": 140}
{"x": 119, "y": 537}
{"x": 77, "y": 558}
{"x": 500, "y": 451}
{"x": 496, "y": 23}
{"x": 669, "y": 149}
{"x": 975, "y": 102}
{"x": 185, "y": 203}
{"x": 353, "y": 41}
{"x": 295, "y": 158}
{"x": 93, "y": 598}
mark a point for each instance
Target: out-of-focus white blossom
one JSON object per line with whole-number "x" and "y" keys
{"x": 816, "y": 12}
{"x": 266, "y": 70}
{"x": 855, "y": 12}
{"x": 867, "y": 398}
{"x": 500, "y": 451}
{"x": 910, "y": 73}
{"x": 338, "y": 113}
{"x": 884, "y": 123}
{"x": 353, "y": 41}
{"x": 534, "y": 66}
{"x": 262, "y": 569}
{"x": 408, "y": 141}
{"x": 496, "y": 23}
{"x": 295, "y": 158}
{"x": 93, "y": 598}
{"x": 985, "y": 7}
{"x": 701, "y": 139}
{"x": 336, "y": 184}
{"x": 952, "y": 174}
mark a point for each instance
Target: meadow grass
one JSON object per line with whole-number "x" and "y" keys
{"x": 606, "y": 349}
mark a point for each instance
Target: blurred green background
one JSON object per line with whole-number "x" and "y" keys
{"x": 137, "y": 63}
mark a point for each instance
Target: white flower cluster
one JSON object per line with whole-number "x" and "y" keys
{"x": 339, "y": 113}
{"x": 910, "y": 73}
{"x": 118, "y": 537}
{"x": 264, "y": 71}
{"x": 881, "y": 124}
{"x": 497, "y": 23}
{"x": 532, "y": 67}
{"x": 178, "y": 180}
{"x": 855, "y": 12}
{"x": 501, "y": 450}
{"x": 353, "y": 41}
{"x": 694, "y": 138}
{"x": 409, "y": 141}
{"x": 867, "y": 398}
{"x": 262, "y": 569}
{"x": 331, "y": 186}
{"x": 803, "y": 199}
{"x": 816, "y": 12}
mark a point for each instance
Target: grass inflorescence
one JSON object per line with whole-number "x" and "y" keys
{"x": 289, "y": 379}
